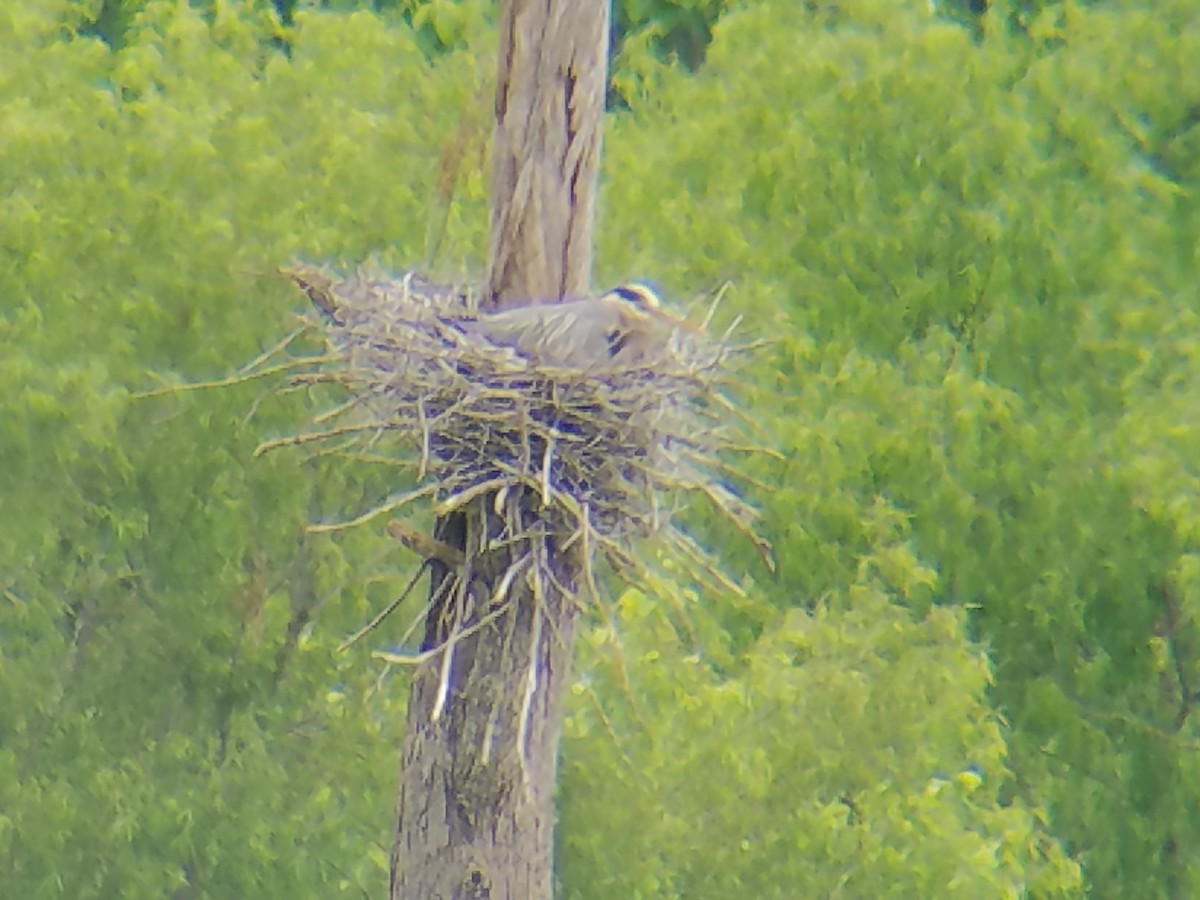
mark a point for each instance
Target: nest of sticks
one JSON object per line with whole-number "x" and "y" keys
{"x": 600, "y": 459}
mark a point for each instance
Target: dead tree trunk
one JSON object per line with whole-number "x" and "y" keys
{"x": 476, "y": 800}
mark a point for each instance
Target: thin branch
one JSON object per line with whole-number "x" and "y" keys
{"x": 392, "y": 505}
{"x": 297, "y": 440}
{"x": 386, "y": 611}
{"x": 232, "y": 380}
{"x": 423, "y": 545}
{"x": 416, "y": 659}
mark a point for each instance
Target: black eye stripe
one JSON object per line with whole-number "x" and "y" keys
{"x": 629, "y": 294}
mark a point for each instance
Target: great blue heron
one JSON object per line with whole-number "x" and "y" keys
{"x": 621, "y": 327}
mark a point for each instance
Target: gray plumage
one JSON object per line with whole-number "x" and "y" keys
{"x": 618, "y": 328}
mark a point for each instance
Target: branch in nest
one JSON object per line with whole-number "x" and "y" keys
{"x": 423, "y": 545}
{"x": 296, "y": 440}
{"x": 240, "y": 378}
{"x": 392, "y": 504}
{"x": 414, "y": 659}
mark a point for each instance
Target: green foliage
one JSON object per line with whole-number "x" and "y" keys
{"x": 978, "y": 262}
{"x": 853, "y": 754}
{"x": 170, "y": 703}
{"x": 977, "y": 255}
{"x": 671, "y": 30}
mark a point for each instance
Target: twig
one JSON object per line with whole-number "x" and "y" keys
{"x": 392, "y": 504}
{"x": 386, "y": 611}
{"x": 232, "y": 380}
{"x": 298, "y": 439}
{"x": 423, "y": 545}
{"x": 416, "y": 659}
{"x": 531, "y": 681}
{"x": 278, "y": 348}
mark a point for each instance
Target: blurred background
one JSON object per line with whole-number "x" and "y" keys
{"x": 971, "y": 234}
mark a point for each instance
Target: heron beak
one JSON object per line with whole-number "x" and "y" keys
{"x": 671, "y": 321}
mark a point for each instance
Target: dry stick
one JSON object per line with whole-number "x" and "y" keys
{"x": 258, "y": 401}
{"x": 428, "y": 549}
{"x": 302, "y": 381}
{"x": 443, "y": 588}
{"x": 416, "y": 659}
{"x": 506, "y": 581}
{"x": 726, "y": 469}
{"x": 691, "y": 551}
{"x": 547, "y": 490}
{"x": 712, "y": 307}
{"x": 341, "y": 448}
{"x": 263, "y": 357}
{"x": 465, "y": 496}
{"x": 589, "y": 576}
{"x": 342, "y": 408}
{"x": 330, "y": 449}
{"x": 233, "y": 379}
{"x": 466, "y": 608}
{"x": 424, "y": 546}
{"x": 734, "y": 410}
{"x": 375, "y": 459}
{"x": 535, "y": 639}
{"x": 761, "y": 544}
{"x": 443, "y": 689}
{"x": 312, "y": 437}
{"x": 498, "y": 502}
{"x": 278, "y": 348}
{"x": 453, "y": 619}
{"x": 525, "y": 479}
{"x": 391, "y": 505}
{"x": 386, "y": 611}
{"x": 423, "y": 424}
{"x": 494, "y": 715}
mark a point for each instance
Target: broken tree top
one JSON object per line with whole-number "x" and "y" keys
{"x": 609, "y": 411}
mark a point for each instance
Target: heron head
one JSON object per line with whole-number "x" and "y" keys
{"x": 640, "y": 303}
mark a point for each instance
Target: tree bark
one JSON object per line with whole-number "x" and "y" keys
{"x": 476, "y": 800}
{"x": 549, "y": 107}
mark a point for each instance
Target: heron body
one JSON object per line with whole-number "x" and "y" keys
{"x": 620, "y": 327}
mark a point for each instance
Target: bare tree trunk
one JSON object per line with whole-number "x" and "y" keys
{"x": 476, "y": 801}
{"x": 549, "y": 106}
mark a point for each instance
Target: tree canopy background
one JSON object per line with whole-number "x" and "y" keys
{"x": 975, "y": 248}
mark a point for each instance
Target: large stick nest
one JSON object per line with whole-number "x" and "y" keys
{"x": 609, "y": 452}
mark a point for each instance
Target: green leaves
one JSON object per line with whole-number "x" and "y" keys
{"x": 852, "y": 751}
{"x": 167, "y": 681}
{"x": 975, "y": 255}
{"x": 968, "y": 255}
